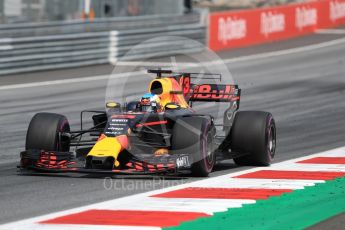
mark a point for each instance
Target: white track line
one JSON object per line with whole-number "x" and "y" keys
{"x": 243, "y": 58}
{"x": 69, "y": 81}
{"x": 144, "y": 201}
{"x": 85, "y": 227}
{"x": 312, "y": 167}
{"x": 208, "y": 206}
{"x": 261, "y": 183}
{"x": 330, "y": 31}
{"x": 225, "y": 61}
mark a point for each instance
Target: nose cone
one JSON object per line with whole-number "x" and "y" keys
{"x": 109, "y": 147}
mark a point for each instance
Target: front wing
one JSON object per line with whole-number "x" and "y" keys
{"x": 65, "y": 162}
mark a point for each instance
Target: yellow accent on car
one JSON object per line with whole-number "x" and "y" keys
{"x": 172, "y": 106}
{"x": 160, "y": 152}
{"x": 107, "y": 147}
{"x": 112, "y": 105}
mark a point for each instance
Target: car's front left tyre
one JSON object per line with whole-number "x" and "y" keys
{"x": 195, "y": 136}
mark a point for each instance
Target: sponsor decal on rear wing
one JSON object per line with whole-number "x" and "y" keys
{"x": 215, "y": 92}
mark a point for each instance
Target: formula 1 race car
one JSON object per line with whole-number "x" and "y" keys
{"x": 158, "y": 134}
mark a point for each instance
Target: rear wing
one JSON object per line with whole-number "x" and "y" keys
{"x": 215, "y": 92}
{"x": 201, "y": 92}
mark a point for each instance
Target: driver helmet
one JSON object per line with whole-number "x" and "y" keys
{"x": 149, "y": 103}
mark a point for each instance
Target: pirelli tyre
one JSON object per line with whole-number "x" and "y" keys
{"x": 43, "y": 133}
{"x": 195, "y": 136}
{"x": 253, "y": 133}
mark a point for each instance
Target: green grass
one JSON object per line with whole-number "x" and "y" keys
{"x": 296, "y": 210}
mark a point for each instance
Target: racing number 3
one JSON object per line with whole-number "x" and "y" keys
{"x": 186, "y": 85}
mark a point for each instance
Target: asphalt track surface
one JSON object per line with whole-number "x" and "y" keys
{"x": 305, "y": 92}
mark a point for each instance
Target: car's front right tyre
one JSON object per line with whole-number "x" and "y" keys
{"x": 43, "y": 133}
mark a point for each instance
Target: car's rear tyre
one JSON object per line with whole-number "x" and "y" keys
{"x": 195, "y": 136}
{"x": 253, "y": 133}
{"x": 43, "y": 132}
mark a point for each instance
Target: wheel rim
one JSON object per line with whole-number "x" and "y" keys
{"x": 63, "y": 142}
{"x": 271, "y": 139}
{"x": 209, "y": 158}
